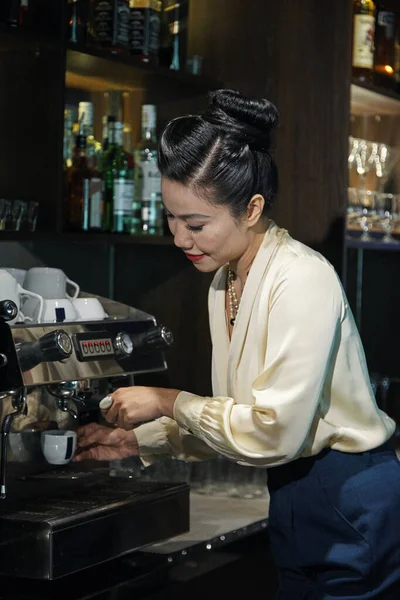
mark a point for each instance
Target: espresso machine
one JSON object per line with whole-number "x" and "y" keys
{"x": 59, "y": 520}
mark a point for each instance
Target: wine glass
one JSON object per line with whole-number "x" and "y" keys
{"x": 359, "y": 158}
{"x": 369, "y": 215}
{"x": 387, "y": 210}
{"x": 385, "y": 162}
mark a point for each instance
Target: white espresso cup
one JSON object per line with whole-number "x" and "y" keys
{"x": 10, "y": 289}
{"x": 55, "y": 310}
{"x": 89, "y": 309}
{"x": 58, "y": 446}
{"x": 18, "y": 274}
{"x": 50, "y": 283}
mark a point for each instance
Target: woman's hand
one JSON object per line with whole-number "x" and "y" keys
{"x": 97, "y": 442}
{"x": 133, "y": 405}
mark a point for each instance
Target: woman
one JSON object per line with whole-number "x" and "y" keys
{"x": 290, "y": 381}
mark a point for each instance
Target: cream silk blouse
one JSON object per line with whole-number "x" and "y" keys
{"x": 293, "y": 379}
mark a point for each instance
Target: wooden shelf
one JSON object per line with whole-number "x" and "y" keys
{"x": 367, "y": 99}
{"x": 87, "y": 238}
{"x": 376, "y": 245}
{"x": 100, "y": 70}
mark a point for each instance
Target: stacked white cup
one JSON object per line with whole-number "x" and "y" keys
{"x": 52, "y": 285}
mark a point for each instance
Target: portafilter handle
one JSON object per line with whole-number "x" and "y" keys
{"x": 51, "y": 347}
{"x": 156, "y": 337}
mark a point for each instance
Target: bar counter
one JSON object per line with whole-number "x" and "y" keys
{"x": 227, "y": 546}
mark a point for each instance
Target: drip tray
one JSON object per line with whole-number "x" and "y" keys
{"x": 85, "y": 522}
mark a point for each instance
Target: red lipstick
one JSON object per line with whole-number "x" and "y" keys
{"x": 195, "y": 257}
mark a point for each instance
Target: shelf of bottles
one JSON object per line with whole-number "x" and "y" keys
{"x": 108, "y": 188}
{"x": 111, "y": 41}
{"x": 117, "y": 48}
{"x": 373, "y": 208}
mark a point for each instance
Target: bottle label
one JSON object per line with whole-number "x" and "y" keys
{"x": 150, "y": 180}
{"x": 103, "y": 21}
{"x": 123, "y": 23}
{"x": 123, "y": 196}
{"x": 386, "y": 20}
{"x": 96, "y": 203}
{"x": 145, "y": 29}
{"x": 363, "y": 42}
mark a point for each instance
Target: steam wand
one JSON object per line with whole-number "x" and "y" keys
{"x": 19, "y": 403}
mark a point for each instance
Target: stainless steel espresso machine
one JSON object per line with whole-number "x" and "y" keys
{"x": 57, "y": 520}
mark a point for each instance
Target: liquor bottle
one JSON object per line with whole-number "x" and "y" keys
{"x": 145, "y": 29}
{"x": 384, "y": 45}
{"x": 109, "y": 24}
{"x": 118, "y": 175}
{"x": 78, "y": 177}
{"x": 166, "y": 39}
{"x": 363, "y": 39}
{"x": 177, "y": 14}
{"x": 93, "y": 147}
{"x": 148, "y": 178}
{"x": 68, "y": 146}
{"x": 10, "y": 12}
{"x": 77, "y": 21}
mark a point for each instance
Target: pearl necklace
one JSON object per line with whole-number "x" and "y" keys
{"x": 233, "y": 299}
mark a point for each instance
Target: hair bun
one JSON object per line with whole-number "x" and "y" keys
{"x": 250, "y": 121}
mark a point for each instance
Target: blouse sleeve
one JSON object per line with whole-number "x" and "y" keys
{"x": 163, "y": 438}
{"x": 302, "y": 318}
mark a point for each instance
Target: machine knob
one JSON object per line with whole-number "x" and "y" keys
{"x": 8, "y": 310}
{"x": 157, "y": 337}
{"x": 56, "y": 345}
{"x": 3, "y": 360}
{"x": 51, "y": 347}
{"x": 123, "y": 344}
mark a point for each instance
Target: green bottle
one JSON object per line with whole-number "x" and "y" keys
{"x": 118, "y": 175}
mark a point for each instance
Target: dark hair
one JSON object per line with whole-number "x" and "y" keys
{"x": 224, "y": 153}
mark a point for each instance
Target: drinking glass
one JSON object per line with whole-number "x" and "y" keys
{"x": 358, "y": 160}
{"x": 18, "y": 210}
{"x": 369, "y": 214}
{"x": 386, "y": 210}
{"x": 5, "y": 214}
{"x": 385, "y": 162}
{"x": 29, "y": 219}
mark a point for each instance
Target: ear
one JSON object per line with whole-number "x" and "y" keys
{"x": 255, "y": 209}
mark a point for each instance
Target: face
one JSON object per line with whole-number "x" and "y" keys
{"x": 207, "y": 233}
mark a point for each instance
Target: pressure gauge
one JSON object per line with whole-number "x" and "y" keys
{"x": 123, "y": 344}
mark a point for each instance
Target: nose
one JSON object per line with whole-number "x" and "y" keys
{"x": 182, "y": 237}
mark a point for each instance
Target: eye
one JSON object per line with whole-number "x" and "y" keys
{"x": 195, "y": 229}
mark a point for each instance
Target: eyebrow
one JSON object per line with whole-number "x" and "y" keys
{"x": 189, "y": 216}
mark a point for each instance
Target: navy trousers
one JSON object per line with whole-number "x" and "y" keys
{"x": 334, "y": 526}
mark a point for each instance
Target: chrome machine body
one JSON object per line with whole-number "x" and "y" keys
{"x": 58, "y": 520}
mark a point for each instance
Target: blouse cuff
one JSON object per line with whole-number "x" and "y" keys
{"x": 152, "y": 439}
{"x": 188, "y": 409}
